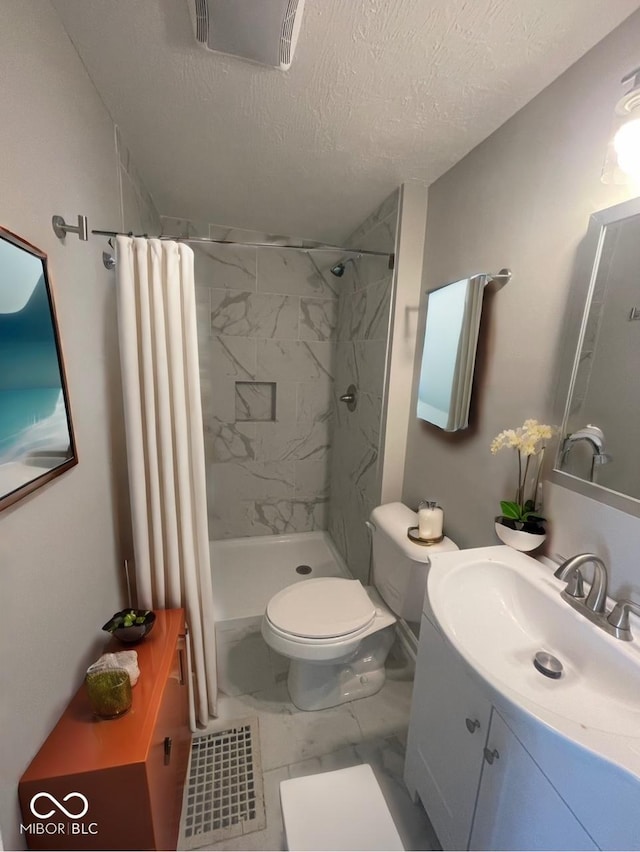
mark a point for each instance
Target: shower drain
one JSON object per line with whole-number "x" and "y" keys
{"x": 224, "y": 797}
{"x": 304, "y": 569}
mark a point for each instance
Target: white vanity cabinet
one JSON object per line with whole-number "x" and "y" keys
{"x": 448, "y": 730}
{"x": 479, "y": 785}
{"x": 518, "y": 807}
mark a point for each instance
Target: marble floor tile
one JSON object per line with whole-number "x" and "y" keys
{"x": 244, "y": 664}
{"x": 296, "y": 743}
{"x": 230, "y": 707}
{"x": 289, "y": 735}
{"x": 385, "y": 713}
{"x": 342, "y": 759}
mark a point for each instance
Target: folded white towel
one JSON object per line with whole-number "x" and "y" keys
{"x": 127, "y": 660}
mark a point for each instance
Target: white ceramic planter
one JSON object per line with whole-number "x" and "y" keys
{"x": 519, "y": 539}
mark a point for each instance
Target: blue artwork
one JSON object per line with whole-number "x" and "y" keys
{"x": 35, "y": 436}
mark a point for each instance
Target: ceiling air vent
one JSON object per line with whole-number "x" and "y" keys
{"x": 263, "y": 31}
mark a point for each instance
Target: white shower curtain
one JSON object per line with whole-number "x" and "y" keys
{"x": 165, "y": 448}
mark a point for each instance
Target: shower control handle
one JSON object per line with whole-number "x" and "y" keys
{"x": 350, "y": 397}
{"x": 490, "y": 755}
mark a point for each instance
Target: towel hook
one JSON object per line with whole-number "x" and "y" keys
{"x": 61, "y": 229}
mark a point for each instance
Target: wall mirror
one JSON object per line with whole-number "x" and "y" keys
{"x": 449, "y": 352}
{"x": 599, "y": 452}
{"x": 36, "y": 435}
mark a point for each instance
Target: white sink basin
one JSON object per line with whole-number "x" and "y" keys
{"x": 499, "y": 607}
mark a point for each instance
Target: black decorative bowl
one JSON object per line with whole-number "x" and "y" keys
{"x": 131, "y": 625}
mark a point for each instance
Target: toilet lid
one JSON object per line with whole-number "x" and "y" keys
{"x": 321, "y": 608}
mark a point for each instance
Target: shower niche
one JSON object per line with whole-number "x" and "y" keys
{"x": 255, "y": 402}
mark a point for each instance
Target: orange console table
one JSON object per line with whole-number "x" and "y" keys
{"x": 126, "y": 774}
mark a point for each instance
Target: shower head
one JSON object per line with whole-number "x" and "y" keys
{"x": 339, "y": 268}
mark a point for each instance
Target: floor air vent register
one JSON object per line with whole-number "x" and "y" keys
{"x": 224, "y": 797}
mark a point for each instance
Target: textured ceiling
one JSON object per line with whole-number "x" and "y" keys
{"x": 380, "y": 92}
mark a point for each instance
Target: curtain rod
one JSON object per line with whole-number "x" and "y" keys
{"x": 307, "y": 246}
{"x": 61, "y": 229}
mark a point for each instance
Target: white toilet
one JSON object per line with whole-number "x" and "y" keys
{"x": 337, "y": 632}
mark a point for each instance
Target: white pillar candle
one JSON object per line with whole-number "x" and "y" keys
{"x": 430, "y": 520}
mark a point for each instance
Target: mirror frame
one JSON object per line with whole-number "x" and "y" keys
{"x": 584, "y": 280}
{"x": 17, "y": 494}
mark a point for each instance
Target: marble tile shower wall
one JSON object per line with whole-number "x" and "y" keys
{"x": 267, "y": 324}
{"x": 361, "y": 353}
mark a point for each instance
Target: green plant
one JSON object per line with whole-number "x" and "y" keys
{"x": 528, "y": 441}
{"x": 127, "y": 618}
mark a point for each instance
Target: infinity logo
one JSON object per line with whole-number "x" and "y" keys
{"x": 59, "y": 805}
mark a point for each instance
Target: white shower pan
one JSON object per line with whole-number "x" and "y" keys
{"x": 246, "y": 574}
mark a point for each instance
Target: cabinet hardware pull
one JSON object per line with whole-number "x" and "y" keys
{"x": 181, "y": 666}
{"x": 490, "y": 756}
{"x": 472, "y": 725}
{"x": 168, "y": 743}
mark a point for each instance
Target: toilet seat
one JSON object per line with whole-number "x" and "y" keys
{"x": 326, "y": 608}
{"x": 371, "y": 613}
{"x": 332, "y": 641}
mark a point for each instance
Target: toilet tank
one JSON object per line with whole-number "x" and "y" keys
{"x": 399, "y": 565}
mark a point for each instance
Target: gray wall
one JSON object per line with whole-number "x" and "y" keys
{"x": 521, "y": 199}
{"x": 361, "y": 353}
{"x": 61, "y": 547}
{"x": 267, "y": 320}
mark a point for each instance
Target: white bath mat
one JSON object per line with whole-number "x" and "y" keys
{"x": 224, "y": 796}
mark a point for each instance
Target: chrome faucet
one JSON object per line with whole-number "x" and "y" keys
{"x": 618, "y": 620}
{"x": 593, "y": 607}
{"x": 597, "y": 597}
{"x": 594, "y": 437}
{"x": 592, "y": 434}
